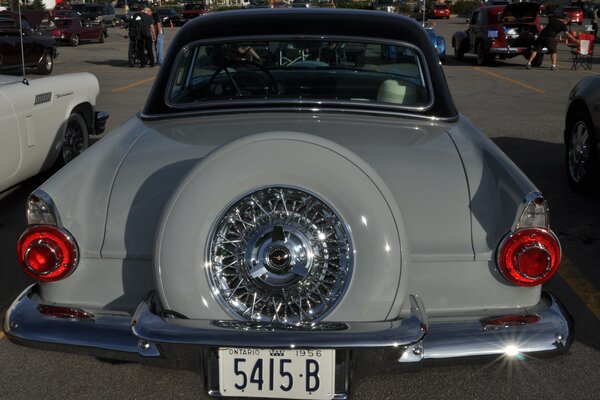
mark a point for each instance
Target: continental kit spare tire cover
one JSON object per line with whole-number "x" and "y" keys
{"x": 282, "y": 227}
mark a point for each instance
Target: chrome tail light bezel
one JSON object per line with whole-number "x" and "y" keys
{"x": 530, "y": 232}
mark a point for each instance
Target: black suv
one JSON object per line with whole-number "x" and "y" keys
{"x": 100, "y": 13}
{"x": 39, "y": 51}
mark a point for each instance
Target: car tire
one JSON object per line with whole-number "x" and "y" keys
{"x": 102, "y": 37}
{"x": 74, "y": 41}
{"x": 483, "y": 57}
{"x": 75, "y": 139}
{"x": 459, "y": 54}
{"x": 581, "y": 159}
{"x": 45, "y": 64}
{"x": 537, "y": 61}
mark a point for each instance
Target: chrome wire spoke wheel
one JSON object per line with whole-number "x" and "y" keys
{"x": 279, "y": 255}
{"x": 579, "y": 151}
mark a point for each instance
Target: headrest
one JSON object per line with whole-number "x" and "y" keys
{"x": 390, "y": 91}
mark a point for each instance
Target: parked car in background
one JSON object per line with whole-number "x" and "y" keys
{"x": 259, "y": 4}
{"x": 193, "y": 10}
{"x": 44, "y": 122}
{"x": 168, "y": 16}
{"x": 76, "y": 30}
{"x": 39, "y": 51}
{"x": 588, "y": 8}
{"x": 438, "y": 41}
{"x": 385, "y": 5}
{"x": 66, "y": 14}
{"x": 279, "y": 225}
{"x": 503, "y": 31}
{"x": 326, "y": 4}
{"x": 280, "y": 4}
{"x": 439, "y": 11}
{"x": 573, "y": 14}
{"x": 582, "y": 135}
{"x": 301, "y": 3}
{"x": 99, "y": 13}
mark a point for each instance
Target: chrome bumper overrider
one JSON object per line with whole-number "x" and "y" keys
{"x": 508, "y": 50}
{"x": 148, "y": 335}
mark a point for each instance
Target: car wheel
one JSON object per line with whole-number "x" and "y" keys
{"x": 102, "y": 37}
{"x": 580, "y": 153}
{"x": 458, "y": 52}
{"x": 483, "y": 58}
{"x": 45, "y": 64}
{"x": 76, "y": 137}
{"x": 74, "y": 40}
{"x": 537, "y": 61}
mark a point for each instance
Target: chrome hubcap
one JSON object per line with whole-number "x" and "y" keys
{"x": 579, "y": 151}
{"x": 279, "y": 255}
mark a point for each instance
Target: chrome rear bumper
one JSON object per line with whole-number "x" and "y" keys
{"x": 148, "y": 335}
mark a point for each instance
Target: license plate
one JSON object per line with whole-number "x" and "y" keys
{"x": 274, "y": 373}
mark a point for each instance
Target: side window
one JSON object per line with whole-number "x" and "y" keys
{"x": 473, "y": 20}
{"x": 480, "y": 16}
{"x": 26, "y": 24}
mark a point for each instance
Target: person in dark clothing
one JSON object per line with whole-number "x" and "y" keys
{"x": 135, "y": 33}
{"x": 547, "y": 38}
{"x": 146, "y": 45}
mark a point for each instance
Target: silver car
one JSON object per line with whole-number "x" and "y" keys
{"x": 295, "y": 202}
{"x": 582, "y": 131}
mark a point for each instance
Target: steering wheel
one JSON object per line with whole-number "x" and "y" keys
{"x": 233, "y": 89}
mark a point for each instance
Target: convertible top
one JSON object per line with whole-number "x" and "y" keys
{"x": 314, "y": 22}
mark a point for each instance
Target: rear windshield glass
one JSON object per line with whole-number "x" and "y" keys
{"x": 300, "y": 71}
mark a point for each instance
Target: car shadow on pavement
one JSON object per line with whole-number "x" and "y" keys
{"x": 574, "y": 218}
{"x": 113, "y": 63}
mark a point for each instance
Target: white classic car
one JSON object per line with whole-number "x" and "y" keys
{"x": 295, "y": 202}
{"x": 43, "y": 121}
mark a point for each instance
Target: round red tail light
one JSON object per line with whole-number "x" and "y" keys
{"x": 47, "y": 253}
{"x": 529, "y": 257}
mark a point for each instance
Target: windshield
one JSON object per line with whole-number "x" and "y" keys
{"x": 300, "y": 71}
{"x": 62, "y": 23}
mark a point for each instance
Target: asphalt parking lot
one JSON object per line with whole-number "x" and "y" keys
{"x": 521, "y": 111}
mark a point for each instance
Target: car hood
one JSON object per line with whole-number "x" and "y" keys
{"x": 520, "y": 12}
{"x": 134, "y": 171}
{"x": 8, "y": 79}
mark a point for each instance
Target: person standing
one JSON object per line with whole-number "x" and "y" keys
{"x": 160, "y": 38}
{"x": 145, "y": 48}
{"x": 547, "y": 38}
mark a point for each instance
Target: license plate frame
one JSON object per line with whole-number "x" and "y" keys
{"x": 277, "y": 373}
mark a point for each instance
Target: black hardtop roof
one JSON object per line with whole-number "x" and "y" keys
{"x": 305, "y": 22}
{"x": 311, "y": 21}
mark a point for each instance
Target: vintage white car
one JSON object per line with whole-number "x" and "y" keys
{"x": 296, "y": 201}
{"x": 43, "y": 121}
